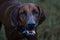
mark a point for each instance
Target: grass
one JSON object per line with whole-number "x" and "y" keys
{"x": 50, "y": 28}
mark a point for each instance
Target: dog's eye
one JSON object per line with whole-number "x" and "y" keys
{"x": 23, "y": 14}
{"x": 35, "y": 13}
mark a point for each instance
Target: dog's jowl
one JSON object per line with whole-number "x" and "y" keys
{"x": 20, "y": 20}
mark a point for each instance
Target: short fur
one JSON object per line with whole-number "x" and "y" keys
{"x": 7, "y": 10}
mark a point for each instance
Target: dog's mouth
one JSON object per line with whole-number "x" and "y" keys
{"x": 28, "y": 31}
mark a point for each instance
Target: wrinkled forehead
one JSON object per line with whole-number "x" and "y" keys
{"x": 28, "y": 7}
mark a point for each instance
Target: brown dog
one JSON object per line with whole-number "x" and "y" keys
{"x": 21, "y": 20}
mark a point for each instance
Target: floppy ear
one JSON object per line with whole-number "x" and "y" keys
{"x": 14, "y": 17}
{"x": 42, "y": 16}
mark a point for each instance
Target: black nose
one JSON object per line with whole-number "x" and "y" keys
{"x": 30, "y": 26}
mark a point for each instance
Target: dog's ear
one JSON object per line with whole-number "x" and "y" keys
{"x": 14, "y": 17}
{"x": 42, "y": 16}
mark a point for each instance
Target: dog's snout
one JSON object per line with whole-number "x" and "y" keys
{"x": 31, "y": 21}
{"x": 31, "y": 26}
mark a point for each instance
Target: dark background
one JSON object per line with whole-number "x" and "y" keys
{"x": 50, "y": 28}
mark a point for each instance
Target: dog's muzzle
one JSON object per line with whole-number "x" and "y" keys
{"x": 30, "y": 29}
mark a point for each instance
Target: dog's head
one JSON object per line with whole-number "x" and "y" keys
{"x": 28, "y": 18}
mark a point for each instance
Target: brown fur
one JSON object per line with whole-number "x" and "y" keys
{"x": 5, "y": 19}
{"x": 11, "y": 33}
{"x": 6, "y": 9}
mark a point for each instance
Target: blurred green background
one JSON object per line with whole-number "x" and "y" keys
{"x": 50, "y": 28}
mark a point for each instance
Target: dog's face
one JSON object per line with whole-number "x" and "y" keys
{"x": 29, "y": 17}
